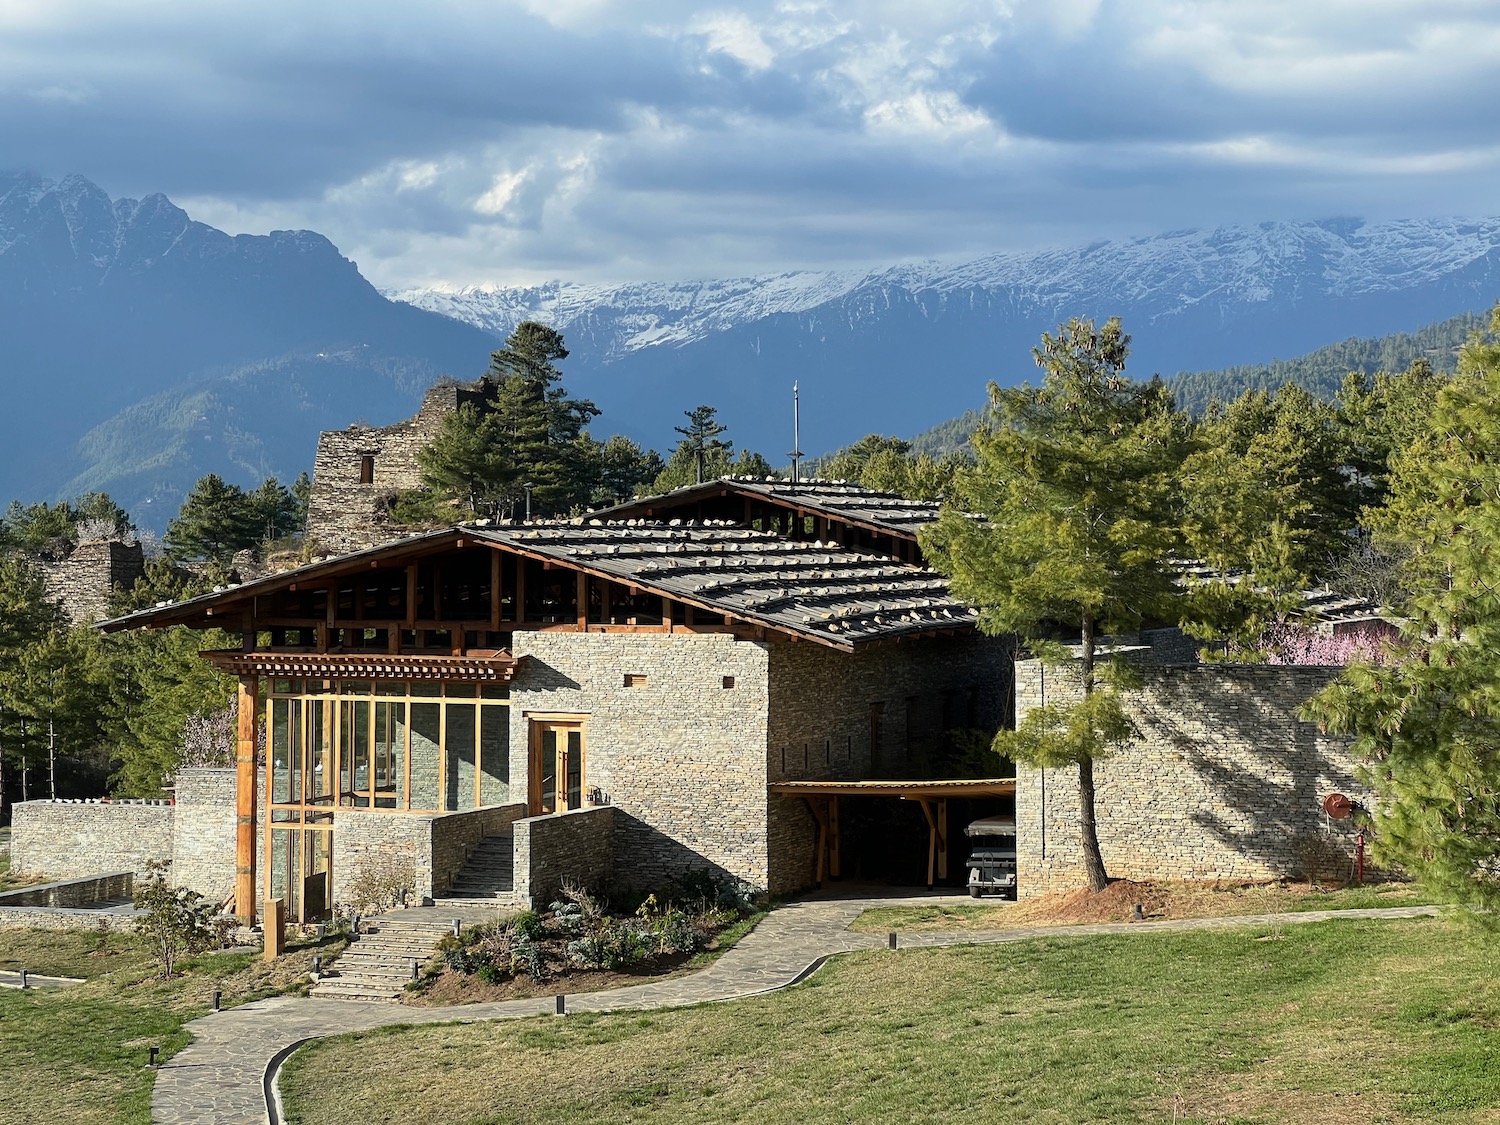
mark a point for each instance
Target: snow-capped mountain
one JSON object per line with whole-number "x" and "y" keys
{"x": 1231, "y": 270}
{"x": 901, "y": 348}
{"x": 141, "y": 349}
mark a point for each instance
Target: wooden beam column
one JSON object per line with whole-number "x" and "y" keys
{"x": 244, "y": 800}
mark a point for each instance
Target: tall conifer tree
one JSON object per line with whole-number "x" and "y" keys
{"x": 1075, "y": 483}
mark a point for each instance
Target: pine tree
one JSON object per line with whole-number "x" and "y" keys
{"x": 624, "y": 467}
{"x": 215, "y": 520}
{"x": 470, "y": 459}
{"x": 1428, "y": 720}
{"x": 27, "y": 619}
{"x": 1075, "y": 483}
{"x": 543, "y": 425}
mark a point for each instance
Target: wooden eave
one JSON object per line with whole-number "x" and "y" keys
{"x": 482, "y": 666}
{"x": 910, "y": 790}
{"x": 218, "y": 608}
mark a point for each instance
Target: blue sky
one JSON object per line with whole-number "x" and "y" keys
{"x": 599, "y": 140}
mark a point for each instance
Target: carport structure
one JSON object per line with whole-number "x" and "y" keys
{"x": 823, "y": 798}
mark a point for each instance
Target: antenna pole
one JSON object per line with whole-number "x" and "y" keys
{"x": 796, "y": 453}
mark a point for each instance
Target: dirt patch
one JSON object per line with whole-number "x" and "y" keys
{"x": 1158, "y": 900}
{"x": 460, "y": 988}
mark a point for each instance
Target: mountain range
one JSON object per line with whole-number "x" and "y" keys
{"x": 142, "y": 349}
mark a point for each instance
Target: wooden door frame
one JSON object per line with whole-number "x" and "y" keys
{"x": 536, "y": 724}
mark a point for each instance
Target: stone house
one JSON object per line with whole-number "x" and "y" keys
{"x": 615, "y": 699}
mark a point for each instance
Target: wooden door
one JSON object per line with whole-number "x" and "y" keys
{"x": 557, "y": 766}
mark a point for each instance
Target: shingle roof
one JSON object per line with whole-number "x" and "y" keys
{"x": 884, "y": 511}
{"x": 819, "y": 591}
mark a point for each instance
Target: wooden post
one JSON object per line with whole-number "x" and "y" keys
{"x": 244, "y": 800}
{"x": 942, "y": 837}
{"x": 495, "y": 591}
{"x": 275, "y": 928}
{"x": 932, "y": 840}
{"x": 834, "y": 843}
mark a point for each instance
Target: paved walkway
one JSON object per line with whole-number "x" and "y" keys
{"x": 221, "y": 1078}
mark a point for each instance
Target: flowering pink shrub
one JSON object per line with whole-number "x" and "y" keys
{"x": 1292, "y": 644}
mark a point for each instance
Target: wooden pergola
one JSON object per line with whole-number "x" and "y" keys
{"x": 822, "y": 799}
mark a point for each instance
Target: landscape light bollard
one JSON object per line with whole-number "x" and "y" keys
{"x": 458, "y": 925}
{"x": 562, "y": 1004}
{"x": 214, "y": 1000}
{"x": 151, "y": 1058}
{"x": 317, "y": 963}
{"x": 413, "y": 968}
{"x": 893, "y": 939}
{"x": 1137, "y": 913}
{"x": 24, "y": 982}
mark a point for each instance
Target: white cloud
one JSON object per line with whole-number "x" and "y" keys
{"x": 606, "y": 140}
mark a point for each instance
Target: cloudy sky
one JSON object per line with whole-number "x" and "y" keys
{"x": 512, "y": 141}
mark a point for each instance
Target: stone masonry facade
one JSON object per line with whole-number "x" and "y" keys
{"x": 571, "y": 847}
{"x": 680, "y": 756}
{"x": 203, "y": 831}
{"x": 1223, "y": 782}
{"x": 358, "y": 472}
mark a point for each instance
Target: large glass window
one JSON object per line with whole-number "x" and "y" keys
{"x": 417, "y": 747}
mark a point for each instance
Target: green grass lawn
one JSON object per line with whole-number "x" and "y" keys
{"x": 1345, "y": 1020}
{"x": 78, "y": 1054}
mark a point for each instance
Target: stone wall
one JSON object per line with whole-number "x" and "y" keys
{"x": 365, "y": 840}
{"x": 821, "y": 706}
{"x": 203, "y": 832}
{"x": 1225, "y": 781}
{"x": 89, "y": 837}
{"x": 434, "y": 846}
{"x": 576, "y": 846}
{"x": 681, "y": 757}
{"x": 74, "y": 893}
{"x": 66, "y": 918}
{"x": 85, "y": 581}
{"x": 344, "y": 514}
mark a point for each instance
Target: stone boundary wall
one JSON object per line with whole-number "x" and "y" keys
{"x": 681, "y": 757}
{"x": 578, "y": 846}
{"x": 88, "y": 837}
{"x": 73, "y": 893}
{"x": 1224, "y": 781}
{"x": 203, "y": 832}
{"x": 43, "y": 918}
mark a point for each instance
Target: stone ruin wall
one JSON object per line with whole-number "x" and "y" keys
{"x": 84, "y": 582}
{"x": 345, "y": 515}
{"x": 1224, "y": 781}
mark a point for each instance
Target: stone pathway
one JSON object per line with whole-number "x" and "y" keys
{"x": 224, "y": 1076}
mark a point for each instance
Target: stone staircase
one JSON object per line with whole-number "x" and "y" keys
{"x": 488, "y": 877}
{"x": 378, "y": 965}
